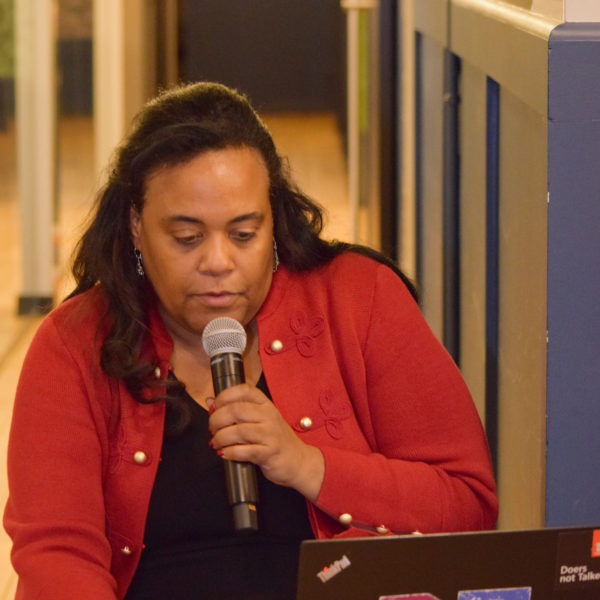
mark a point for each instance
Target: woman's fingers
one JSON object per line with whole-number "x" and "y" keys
{"x": 246, "y": 426}
{"x": 244, "y": 433}
{"x": 240, "y": 393}
{"x": 241, "y": 415}
{"x": 233, "y": 409}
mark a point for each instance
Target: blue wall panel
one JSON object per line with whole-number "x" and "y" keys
{"x": 492, "y": 265}
{"x": 573, "y": 379}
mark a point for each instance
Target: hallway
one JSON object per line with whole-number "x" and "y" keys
{"x": 311, "y": 142}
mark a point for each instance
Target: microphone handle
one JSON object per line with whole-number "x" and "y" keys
{"x": 242, "y": 489}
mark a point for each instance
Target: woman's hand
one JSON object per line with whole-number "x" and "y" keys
{"x": 246, "y": 426}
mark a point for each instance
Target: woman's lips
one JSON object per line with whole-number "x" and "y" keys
{"x": 218, "y": 299}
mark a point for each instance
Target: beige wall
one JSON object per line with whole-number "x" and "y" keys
{"x": 472, "y": 140}
{"x": 522, "y": 314}
{"x": 549, "y": 8}
{"x": 507, "y": 41}
{"x": 140, "y": 54}
{"x": 561, "y": 10}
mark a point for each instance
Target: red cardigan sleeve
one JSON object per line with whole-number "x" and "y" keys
{"x": 55, "y": 512}
{"x": 430, "y": 469}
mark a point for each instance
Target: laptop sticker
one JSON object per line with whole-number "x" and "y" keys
{"x": 410, "y": 597}
{"x": 578, "y": 561}
{"x": 523, "y": 593}
{"x": 335, "y": 568}
{"x": 596, "y": 543}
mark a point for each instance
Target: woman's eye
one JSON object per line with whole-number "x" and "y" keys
{"x": 187, "y": 240}
{"x": 243, "y": 236}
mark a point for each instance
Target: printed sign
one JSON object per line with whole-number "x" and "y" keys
{"x": 500, "y": 594}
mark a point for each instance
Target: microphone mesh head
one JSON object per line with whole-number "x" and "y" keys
{"x": 223, "y": 335}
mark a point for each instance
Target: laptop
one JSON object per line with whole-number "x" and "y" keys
{"x": 541, "y": 564}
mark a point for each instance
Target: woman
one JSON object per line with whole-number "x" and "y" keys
{"x": 355, "y": 416}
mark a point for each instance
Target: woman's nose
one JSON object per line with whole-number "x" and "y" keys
{"x": 216, "y": 256}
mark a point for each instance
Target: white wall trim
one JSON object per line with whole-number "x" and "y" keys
{"x": 35, "y": 81}
{"x": 582, "y": 11}
{"x": 109, "y": 79}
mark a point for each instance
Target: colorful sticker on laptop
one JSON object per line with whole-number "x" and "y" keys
{"x": 500, "y": 594}
{"x": 596, "y": 543}
{"x": 410, "y": 597}
{"x": 578, "y": 560}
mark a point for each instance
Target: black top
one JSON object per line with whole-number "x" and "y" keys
{"x": 191, "y": 547}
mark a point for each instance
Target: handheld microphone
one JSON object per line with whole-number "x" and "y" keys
{"x": 224, "y": 340}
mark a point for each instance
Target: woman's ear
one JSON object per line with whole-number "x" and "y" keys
{"x": 134, "y": 225}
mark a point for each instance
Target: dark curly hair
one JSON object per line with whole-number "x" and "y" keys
{"x": 171, "y": 129}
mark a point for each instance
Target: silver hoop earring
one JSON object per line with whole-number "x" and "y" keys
{"x": 139, "y": 267}
{"x": 275, "y": 257}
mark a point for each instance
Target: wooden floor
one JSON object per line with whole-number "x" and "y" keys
{"x": 312, "y": 144}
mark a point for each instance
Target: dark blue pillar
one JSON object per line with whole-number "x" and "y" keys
{"x": 573, "y": 374}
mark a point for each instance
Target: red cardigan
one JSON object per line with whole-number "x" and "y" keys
{"x": 349, "y": 362}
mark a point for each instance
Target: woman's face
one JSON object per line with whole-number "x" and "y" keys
{"x": 206, "y": 237}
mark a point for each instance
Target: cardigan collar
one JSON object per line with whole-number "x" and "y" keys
{"x": 161, "y": 339}
{"x": 276, "y": 293}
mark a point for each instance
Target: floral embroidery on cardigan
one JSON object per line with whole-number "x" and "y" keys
{"x": 304, "y": 331}
{"x": 333, "y": 412}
